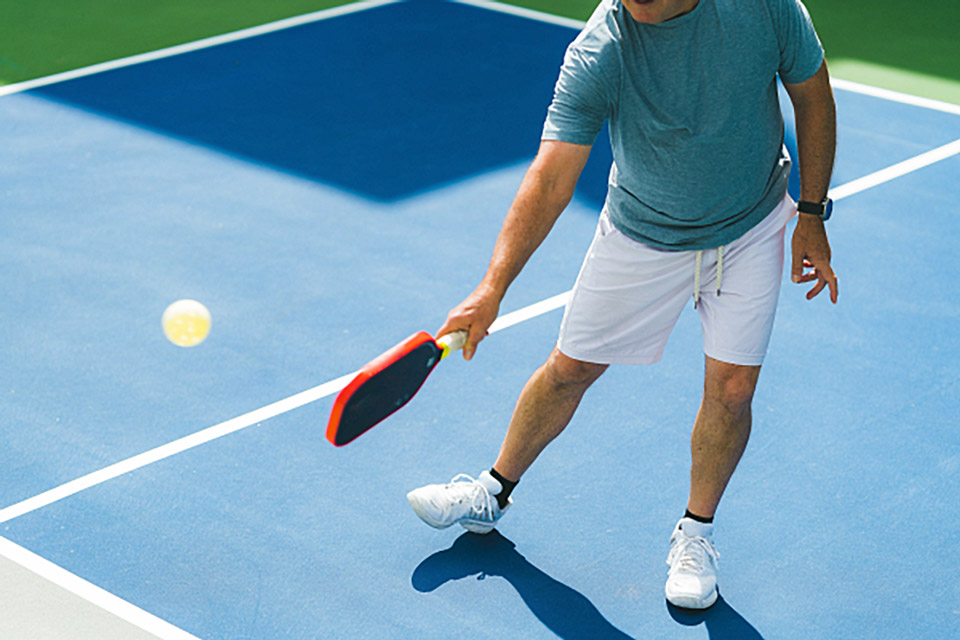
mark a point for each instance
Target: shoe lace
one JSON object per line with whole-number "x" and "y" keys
{"x": 689, "y": 554}
{"x": 464, "y": 487}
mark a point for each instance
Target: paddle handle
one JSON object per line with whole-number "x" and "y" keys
{"x": 452, "y": 342}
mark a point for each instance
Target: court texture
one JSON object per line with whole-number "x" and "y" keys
{"x": 331, "y": 183}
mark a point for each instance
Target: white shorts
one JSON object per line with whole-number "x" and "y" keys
{"x": 629, "y": 295}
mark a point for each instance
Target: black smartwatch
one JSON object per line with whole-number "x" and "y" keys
{"x": 820, "y": 209}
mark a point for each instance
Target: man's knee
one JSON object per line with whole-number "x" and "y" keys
{"x": 730, "y": 385}
{"x": 568, "y": 372}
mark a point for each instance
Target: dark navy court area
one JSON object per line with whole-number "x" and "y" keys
{"x": 435, "y": 78}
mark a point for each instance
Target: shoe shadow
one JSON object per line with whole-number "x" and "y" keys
{"x": 563, "y": 610}
{"x": 721, "y": 620}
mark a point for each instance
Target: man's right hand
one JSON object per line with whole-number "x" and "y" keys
{"x": 474, "y": 315}
{"x": 544, "y": 193}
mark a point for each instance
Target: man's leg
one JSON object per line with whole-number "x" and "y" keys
{"x": 720, "y": 432}
{"x": 544, "y": 409}
{"x": 719, "y": 438}
{"x": 546, "y": 405}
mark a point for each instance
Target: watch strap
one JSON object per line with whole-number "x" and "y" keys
{"x": 820, "y": 209}
{"x": 816, "y": 208}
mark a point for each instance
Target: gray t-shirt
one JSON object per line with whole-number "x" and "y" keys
{"x": 695, "y": 122}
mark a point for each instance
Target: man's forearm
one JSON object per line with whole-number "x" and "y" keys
{"x": 532, "y": 216}
{"x": 544, "y": 193}
{"x": 816, "y": 124}
{"x": 816, "y": 143}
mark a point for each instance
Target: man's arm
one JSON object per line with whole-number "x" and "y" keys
{"x": 816, "y": 142}
{"x": 544, "y": 193}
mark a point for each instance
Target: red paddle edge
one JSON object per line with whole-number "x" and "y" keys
{"x": 369, "y": 370}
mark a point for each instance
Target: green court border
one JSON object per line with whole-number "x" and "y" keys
{"x": 40, "y": 38}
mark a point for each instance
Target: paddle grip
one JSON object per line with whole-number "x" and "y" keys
{"x": 452, "y": 342}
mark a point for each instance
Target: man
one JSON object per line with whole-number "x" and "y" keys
{"x": 696, "y": 205}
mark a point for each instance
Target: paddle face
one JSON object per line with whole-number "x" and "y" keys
{"x": 382, "y": 387}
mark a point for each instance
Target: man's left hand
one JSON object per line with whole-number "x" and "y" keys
{"x": 811, "y": 250}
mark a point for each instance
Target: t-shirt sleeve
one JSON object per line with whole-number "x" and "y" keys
{"x": 581, "y": 98}
{"x": 801, "y": 53}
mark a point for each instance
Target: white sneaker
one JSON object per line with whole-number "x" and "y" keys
{"x": 465, "y": 500}
{"x": 692, "y": 580}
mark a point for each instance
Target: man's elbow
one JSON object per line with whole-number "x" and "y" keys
{"x": 814, "y": 92}
{"x": 557, "y": 168}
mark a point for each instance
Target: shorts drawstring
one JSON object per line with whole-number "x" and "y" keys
{"x": 719, "y": 268}
{"x": 696, "y": 275}
{"x": 696, "y": 280}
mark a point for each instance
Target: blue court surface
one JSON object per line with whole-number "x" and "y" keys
{"x": 327, "y": 190}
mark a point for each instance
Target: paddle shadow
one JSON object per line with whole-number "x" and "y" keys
{"x": 562, "y": 609}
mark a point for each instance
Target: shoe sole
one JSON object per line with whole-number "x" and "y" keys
{"x": 474, "y": 526}
{"x": 693, "y": 602}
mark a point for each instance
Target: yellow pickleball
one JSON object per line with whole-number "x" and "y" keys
{"x": 186, "y": 323}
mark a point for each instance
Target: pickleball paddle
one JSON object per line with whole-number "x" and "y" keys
{"x": 387, "y": 383}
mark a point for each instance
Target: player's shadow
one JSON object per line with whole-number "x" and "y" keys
{"x": 721, "y": 620}
{"x": 562, "y": 609}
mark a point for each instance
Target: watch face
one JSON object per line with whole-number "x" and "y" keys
{"x": 827, "y": 209}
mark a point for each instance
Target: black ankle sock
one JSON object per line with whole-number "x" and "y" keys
{"x": 694, "y": 516}
{"x": 507, "y": 485}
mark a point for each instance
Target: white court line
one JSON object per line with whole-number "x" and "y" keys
{"x": 91, "y": 593}
{"x": 512, "y": 10}
{"x": 529, "y": 312}
{"x": 895, "y": 96}
{"x": 172, "y": 448}
{"x": 333, "y": 386}
{"x": 896, "y": 171}
{"x": 196, "y": 45}
{"x": 230, "y": 426}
